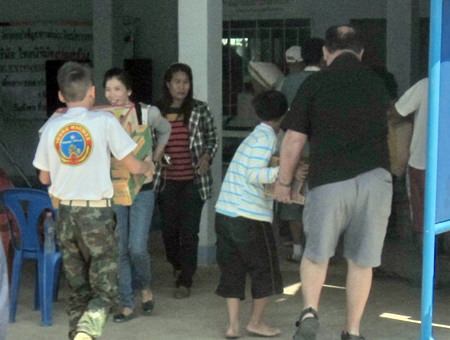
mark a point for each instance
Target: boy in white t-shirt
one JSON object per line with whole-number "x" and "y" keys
{"x": 73, "y": 157}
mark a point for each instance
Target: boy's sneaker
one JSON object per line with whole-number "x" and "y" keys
{"x": 348, "y": 336}
{"x": 307, "y": 328}
{"x": 82, "y": 336}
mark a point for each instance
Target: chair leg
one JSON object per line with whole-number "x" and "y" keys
{"x": 15, "y": 285}
{"x": 48, "y": 281}
{"x": 58, "y": 266}
{"x": 37, "y": 287}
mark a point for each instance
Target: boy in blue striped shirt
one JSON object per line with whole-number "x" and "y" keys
{"x": 245, "y": 240}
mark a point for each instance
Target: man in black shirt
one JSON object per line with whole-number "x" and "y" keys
{"x": 342, "y": 112}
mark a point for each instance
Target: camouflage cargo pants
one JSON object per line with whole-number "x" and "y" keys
{"x": 89, "y": 249}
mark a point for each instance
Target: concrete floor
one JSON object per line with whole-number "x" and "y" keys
{"x": 203, "y": 315}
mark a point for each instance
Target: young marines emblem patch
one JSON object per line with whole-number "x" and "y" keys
{"x": 73, "y": 143}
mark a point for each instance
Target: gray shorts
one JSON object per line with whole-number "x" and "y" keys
{"x": 358, "y": 208}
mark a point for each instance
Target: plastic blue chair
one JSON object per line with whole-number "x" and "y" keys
{"x": 28, "y": 207}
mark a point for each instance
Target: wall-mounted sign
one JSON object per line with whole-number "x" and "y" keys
{"x": 24, "y": 49}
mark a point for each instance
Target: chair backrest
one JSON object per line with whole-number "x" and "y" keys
{"x": 5, "y": 183}
{"x": 27, "y": 206}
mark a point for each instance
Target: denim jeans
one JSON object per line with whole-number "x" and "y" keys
{"x": 133, "y": 227}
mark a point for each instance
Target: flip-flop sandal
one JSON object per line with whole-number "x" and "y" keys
{"x": 262, "y": 335}
{"x": 307, "y": 328}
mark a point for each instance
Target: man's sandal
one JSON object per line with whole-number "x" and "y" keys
{"x": 308, "y": 326}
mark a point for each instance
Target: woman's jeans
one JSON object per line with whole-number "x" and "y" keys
{"x": 133, "y": 227}
{"x": 181, "y": 207}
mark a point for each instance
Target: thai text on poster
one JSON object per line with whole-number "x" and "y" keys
{"x": 24, "y": 49}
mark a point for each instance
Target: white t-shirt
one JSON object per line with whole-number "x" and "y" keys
{"x": 415, "y": 100}
{"x": 76, "y": 149}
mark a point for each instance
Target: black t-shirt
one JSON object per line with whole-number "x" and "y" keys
{"x": 343, "y": 110}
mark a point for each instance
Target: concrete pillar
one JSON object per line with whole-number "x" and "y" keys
{"x": 199, "y": 45}
{"x": 402, "y": 28}
{"x": 107, "y": 40}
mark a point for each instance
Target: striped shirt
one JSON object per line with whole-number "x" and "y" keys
{"x": 202, "y": 139}
{"x": 242, "y": 192}
{"x": 181, "y": 168}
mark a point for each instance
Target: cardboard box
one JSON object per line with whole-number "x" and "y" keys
{"x": 125, "y": 114}
{"x": 127, "y": 185}
{"x": 298, "y": 184}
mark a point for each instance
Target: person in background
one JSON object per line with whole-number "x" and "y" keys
{"x": 312, "y": 57}
{"x": 74, "y": 159}
{"x": 341, "y": 111}
{"x": 134, "y": 222}
{"x": 294, "y": 64}
{"x": 4, "y": 305}
{"x": 186, "y": 182}
{"x": 415, "y": 101}
{"x": 245, "y": 240}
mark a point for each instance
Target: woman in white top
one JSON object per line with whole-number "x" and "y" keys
{"x": 134, "y": 222}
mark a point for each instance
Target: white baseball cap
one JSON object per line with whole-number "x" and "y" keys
{"x": 294, "y": 54}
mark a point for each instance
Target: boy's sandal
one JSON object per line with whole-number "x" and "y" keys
{"x": 307, "y": 327}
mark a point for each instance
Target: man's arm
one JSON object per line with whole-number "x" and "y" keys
{"x": 137, "y": 167}
{"x": 393, "y": 115}
{"x": 291, "y": 149}
{"x": 44, "y": 177}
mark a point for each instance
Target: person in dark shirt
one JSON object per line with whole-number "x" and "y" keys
{"x": 341, "y": 111}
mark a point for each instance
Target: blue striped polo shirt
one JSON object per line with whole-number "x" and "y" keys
{"x": 242, "y": 192}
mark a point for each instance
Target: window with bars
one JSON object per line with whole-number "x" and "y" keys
{"x": 242, "y": 42}
{"x": 257, "y": 40}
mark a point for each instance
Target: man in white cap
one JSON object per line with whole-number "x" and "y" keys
{"x": 294, "y": 56}
{"x": 294, "y": 63}
{"x": 303, "y": 63}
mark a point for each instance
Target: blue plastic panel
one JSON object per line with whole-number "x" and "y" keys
{"x": 443, "y": 159}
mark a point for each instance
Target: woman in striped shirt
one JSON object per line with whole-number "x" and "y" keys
{"x": 186, "y": 181}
